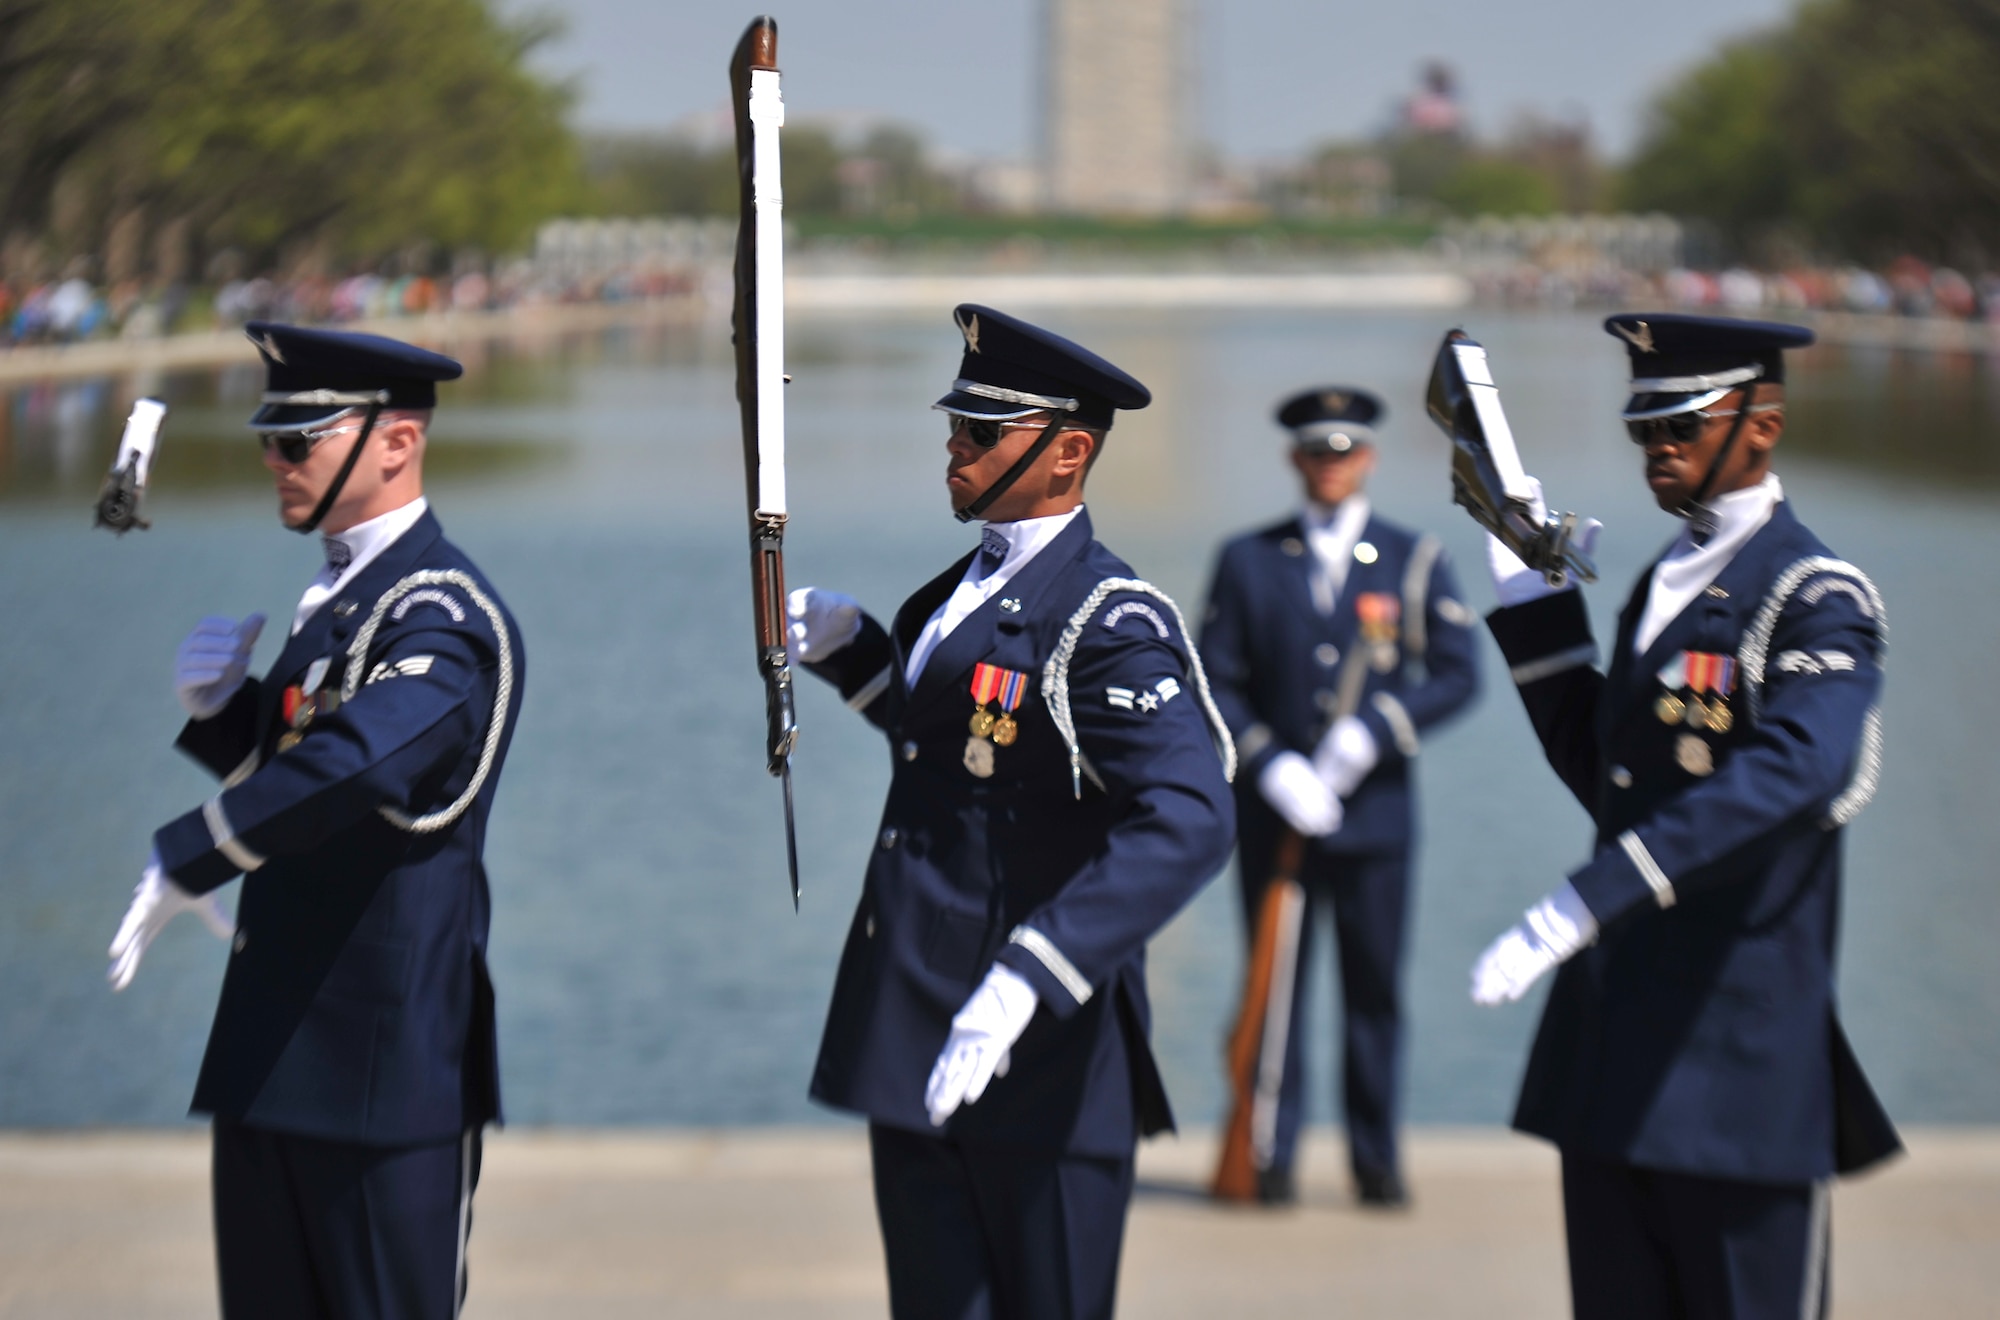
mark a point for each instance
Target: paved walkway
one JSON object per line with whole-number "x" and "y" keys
{"x": 766, "y": 1224}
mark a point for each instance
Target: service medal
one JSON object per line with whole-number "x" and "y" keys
{"x": 979, "y": 757}
{"x": 1669, "y": 708}
{"x": 289, "y": 739}
{"x": 1380, "y": 613}
{"x": 991, "y": 683}
{"x": 1694, "y": 755}
{"x": 1712, "y": 675}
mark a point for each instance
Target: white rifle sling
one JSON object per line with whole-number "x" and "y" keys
{"x": 767, "y": 116}
{"x": 503, "y": 688}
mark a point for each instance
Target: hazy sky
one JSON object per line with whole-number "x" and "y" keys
{"x": 1272, "y": 75}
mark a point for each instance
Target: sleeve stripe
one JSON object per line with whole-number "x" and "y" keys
{"x": 1649, "y": 870}
{"x": 1400, "y": 723}
{"x": 225, "y": 838}
{"x": 1052, "y": 958}
{"x": 864, "y": 697}
{"x": 1534, "y": 671}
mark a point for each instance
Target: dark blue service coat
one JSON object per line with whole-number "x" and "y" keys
{"x": 1699, "y": 1034}
{"x": 1060, "y": 869}
{"x": 356, "y": 1006}
{"x": 1276, "y": 662}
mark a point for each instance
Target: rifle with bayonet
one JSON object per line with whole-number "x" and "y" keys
{"x": 1486, "y": 472}
{"x": 759, "y": 321}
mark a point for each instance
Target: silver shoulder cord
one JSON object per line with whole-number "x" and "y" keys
{"x": 1055, "y": 678}
{"x": 357, "y": 656}
{"x": 1755, "y": 650}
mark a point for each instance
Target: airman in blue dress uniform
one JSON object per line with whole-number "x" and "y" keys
{"x": 1334, "y": 639}
{"x": 1059, "y": 790}
{"x": 1690, "y": 1064}
{"x": 351, "y": 1065}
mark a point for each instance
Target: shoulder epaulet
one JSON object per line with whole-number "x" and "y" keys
{"x": 1811, "y": 580}
{"x": 1055, "y": 674}
{"x": 411, "y": 588}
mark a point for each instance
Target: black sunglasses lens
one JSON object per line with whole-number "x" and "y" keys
{"x": 292, "y": 446}
{"x": 1679, "y": 429}
{"x": 981, "y": 431}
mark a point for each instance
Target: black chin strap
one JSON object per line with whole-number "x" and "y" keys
{"x": 311, "y": 524}
{"x": 1013, "y": 474}
{"x": 1700, "y": 514}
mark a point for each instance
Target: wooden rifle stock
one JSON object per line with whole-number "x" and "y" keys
{"x": 1257, "y": 1043}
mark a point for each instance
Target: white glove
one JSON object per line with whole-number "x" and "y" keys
{"x": 1553, "y": 931}
{"x": 212, "y": 661}
{"x": 156, "y": 901}
{"x": 1513, "y": 581}
{"x": 1345, "y": 756}
{"x": 1296, "y": 792}
{"x": 981, "y": 1037}
{"x": 822, "y": 622}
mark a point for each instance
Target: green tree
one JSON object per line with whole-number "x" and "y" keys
{"x": 1859, "y": 130}
{"x": 1715, "y": 145}
{"x": 346, "y": 126}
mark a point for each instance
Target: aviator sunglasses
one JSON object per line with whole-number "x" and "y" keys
{"x": 1683, "y": 428}
{"x": 295, "y": 447}
{"x": 986, "y": 431}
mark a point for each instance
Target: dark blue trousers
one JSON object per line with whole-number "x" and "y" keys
{"x": 1647, "y": 1245}
{"x": 1369, "y": 898}
{"x": 978, "y": 1231}
{"x": 327, "y": 1230}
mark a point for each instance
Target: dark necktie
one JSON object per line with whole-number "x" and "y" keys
{"x": 338, "y": 555}
{"x": 993, "y": 549}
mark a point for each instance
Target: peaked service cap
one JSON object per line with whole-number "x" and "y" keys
{"x": 1331, "y": 419}
{"x": 312, "y": 376}
{"x": 1682, "y": 362}
{"x": 1011, "y": 368}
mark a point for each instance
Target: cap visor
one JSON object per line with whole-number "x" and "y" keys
{"x": 295, "y": 416}
{"x": 966, "y": 404}
{"x": 1645, "y": 407}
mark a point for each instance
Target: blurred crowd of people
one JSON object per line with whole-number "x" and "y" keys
{"x": 74, "y": 309}
{"x": 1908, "y": 288}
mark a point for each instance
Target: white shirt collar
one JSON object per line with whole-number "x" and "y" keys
{"x": 1025, "y": 539}
{"x": 365, "y": 542}
{"x": 1687, "y": 569}
{"x": 1333, "y": 532}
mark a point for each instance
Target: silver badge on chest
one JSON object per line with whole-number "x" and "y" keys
{"x": 979, "y": 756}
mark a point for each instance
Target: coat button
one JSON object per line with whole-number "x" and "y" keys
{"x": 1327, "y": 653}
{"x": 1364, "y": 553}
{"x": 889, "y": 837}
{"x": 241, "y": 942}
{"x": 1621, "y": 777}
{"x": 909, "y": 751}
{"x": 868, "y": 931}
{"x": 1292, "y": 546}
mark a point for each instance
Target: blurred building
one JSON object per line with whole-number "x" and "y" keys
{"x": 1117, "y": 101}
